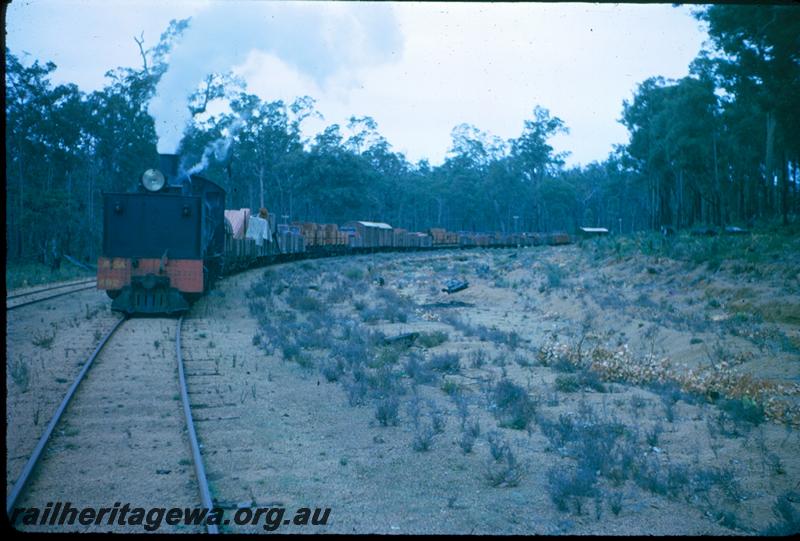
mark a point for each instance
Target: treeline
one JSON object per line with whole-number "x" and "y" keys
{"x": 720, "y": 146}
{"x": 723, "y": 144}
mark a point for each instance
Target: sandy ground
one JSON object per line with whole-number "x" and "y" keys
{"x": 122, "y": 438}
{"x": 277, "y": 432}
{"x": 282, "y": 435}
{"x": 46, "y": 345}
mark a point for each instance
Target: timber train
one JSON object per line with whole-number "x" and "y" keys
{"x": 166, "y": 243}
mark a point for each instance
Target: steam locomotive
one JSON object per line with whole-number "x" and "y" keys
{"x": 166, "y": 243}
{"x": 163, "y": 245}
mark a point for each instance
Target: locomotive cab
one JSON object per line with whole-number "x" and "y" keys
{"x": 163, "y": 243}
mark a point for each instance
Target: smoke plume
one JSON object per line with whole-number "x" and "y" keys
{"x": 318, "y": 39}
{"x": 218, "y": 148}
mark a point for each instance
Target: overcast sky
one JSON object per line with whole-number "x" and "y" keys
{"x": 439, "y": 65}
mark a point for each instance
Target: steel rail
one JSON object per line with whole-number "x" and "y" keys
{"x": 26, "y": 303}
{"x": 43, "y": 289}
{"x": 202, "y": 481}
{"x": 37, "y": 452}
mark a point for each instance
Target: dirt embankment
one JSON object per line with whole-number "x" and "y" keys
{"x": 565, "y": 391}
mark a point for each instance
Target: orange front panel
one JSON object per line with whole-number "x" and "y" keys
{"x": 113, "y": 273}
{"x": 184, "y": 274}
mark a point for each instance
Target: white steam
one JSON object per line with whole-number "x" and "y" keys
{"x": 318, "y": 39}
{"x": 218, "y": 148}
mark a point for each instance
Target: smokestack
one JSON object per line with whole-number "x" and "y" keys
{"x": 168, "y": 164}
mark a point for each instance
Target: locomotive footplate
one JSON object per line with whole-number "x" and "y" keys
{"x": 150, "y": 294}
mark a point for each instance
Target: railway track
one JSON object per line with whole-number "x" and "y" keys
{"x": 123, "y": 434}
{"x": 27, "y": 298}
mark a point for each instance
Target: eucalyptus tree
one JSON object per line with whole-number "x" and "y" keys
{"x": 265, "y": 137}
{"x": 27, "y": 92}
{"x": 672, "y": 138}
{"x": 534, "y": 158}
{"x": 756, "y": 57}
{"x": 47, "y": 146}
{"x": 390, "y": 190}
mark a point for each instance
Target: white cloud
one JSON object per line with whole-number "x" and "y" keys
{"x": 485, "y": 64}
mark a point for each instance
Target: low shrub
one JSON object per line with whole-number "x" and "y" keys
{"x": 432, "y": 339}
{"x": 788, "y": 517}
{"x": 332, "y": 369}
{"x": 744, "y": 410}
{"x": 354, "y": 273}
{"x": 466, "y": 442}
{"x": 301, "y": 300}
{"x": 417, "y": 370}
{"x": 356, "y": 390}
{"x": 569, "y": 487}
{"x": 449, "y": 363}
{"x": 20, "y": 373}
{"x": 497, "y": 445}
{"x": 512, "y": 404}
{"x": 386, "y": 410}
{"x": 567, "y": 383}
{"x": 505, "y": 472}
{"x": 423, "y": 437}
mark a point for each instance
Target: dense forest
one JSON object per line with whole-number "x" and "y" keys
{"x": 719, "y": 146}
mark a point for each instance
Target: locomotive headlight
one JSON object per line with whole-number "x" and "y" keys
{"x": 153, "y": 180}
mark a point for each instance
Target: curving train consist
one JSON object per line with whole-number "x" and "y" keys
{"x": 166, "y": 243}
